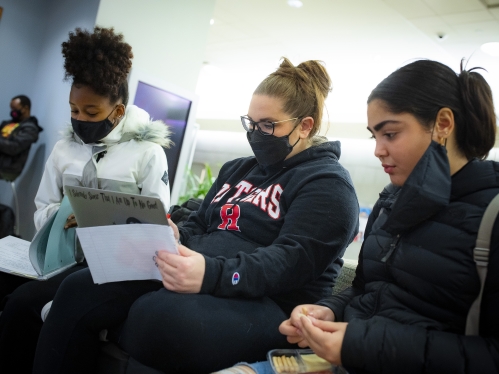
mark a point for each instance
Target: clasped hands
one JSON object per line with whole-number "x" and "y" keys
{"x": 181, "y": 273}
{"x": 313, "y": 326}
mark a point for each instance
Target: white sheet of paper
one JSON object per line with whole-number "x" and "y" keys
{"x": 125, "y": 252}
{"x": 14, "y": 256}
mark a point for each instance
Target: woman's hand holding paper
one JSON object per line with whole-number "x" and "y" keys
{"x": 175, "y": 230}
{"x": 70, "y": 222}
{"x": 181, "y": 273}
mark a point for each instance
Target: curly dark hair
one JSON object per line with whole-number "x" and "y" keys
{"x": 100, "y": 60}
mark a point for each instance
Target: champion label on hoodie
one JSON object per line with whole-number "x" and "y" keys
{"x": 235, "y": 278}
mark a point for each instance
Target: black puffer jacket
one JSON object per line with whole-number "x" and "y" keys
{"x": 14, "y": 149}
{"x": 416, "y": 278}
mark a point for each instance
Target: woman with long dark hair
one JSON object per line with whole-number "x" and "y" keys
{"x": 416, "y": 280}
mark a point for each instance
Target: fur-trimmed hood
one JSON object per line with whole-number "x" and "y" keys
{"x": 138, "y": 124}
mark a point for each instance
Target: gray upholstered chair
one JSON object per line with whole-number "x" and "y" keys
{"x": 346, "y": 276}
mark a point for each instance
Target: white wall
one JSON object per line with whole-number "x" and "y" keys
{"x": 168, "y": 37}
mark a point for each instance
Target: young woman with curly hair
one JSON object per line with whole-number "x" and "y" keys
{"x": 110, "y": 145}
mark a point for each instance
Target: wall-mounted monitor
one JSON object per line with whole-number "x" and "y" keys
{"x": 176, "y": 107}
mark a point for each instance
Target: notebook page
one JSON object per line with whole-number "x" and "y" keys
{"x": 14, "y": 256}
{"x": 125, "y": 252}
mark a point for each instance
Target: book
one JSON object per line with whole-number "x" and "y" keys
{"x": 51, "y": 251}
{"x": 14, "y": 259}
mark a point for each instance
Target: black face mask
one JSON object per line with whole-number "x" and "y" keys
{"x": 270, "y": 149}
{"x": 92, "y": 132}
{"x": 15, "y": 114}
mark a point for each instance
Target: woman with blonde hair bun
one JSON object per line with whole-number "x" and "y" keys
{"x": 268, "y": 236}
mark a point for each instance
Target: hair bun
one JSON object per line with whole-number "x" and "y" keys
{"x": 316, "y": 71}
{"x": 302, "y": 89}
{"x": 101, "y": 60}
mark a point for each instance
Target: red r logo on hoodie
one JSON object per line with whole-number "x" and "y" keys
{"x": 229, "y": 213}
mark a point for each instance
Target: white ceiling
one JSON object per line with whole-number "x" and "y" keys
{"x": 361, "y": 42}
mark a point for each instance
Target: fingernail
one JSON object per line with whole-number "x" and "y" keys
{"x": 168, "y": 215}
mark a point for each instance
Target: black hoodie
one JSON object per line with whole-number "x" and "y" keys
{"x": 14, "y": 148}
{"x": 278, "y": 231}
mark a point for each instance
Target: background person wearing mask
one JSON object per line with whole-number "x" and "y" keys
{"x": 16, "y": 136}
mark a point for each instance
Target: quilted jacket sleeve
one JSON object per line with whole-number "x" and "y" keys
{"x": 338, "y": 302}
{"x": 376, "y": 346}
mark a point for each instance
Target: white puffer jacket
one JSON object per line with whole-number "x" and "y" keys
{"x": 135, "y": 166}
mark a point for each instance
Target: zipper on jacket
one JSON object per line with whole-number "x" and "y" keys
{"x": 393, "y": 245}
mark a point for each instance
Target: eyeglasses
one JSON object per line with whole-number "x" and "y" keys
{"x": 264, "y": 127}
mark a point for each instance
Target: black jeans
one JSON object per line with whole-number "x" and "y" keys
{"x": 8, "y": 284}
{"x": 20, "y": 321}
{"x": 69, "y": 339}
{"x": 193, "y": 333}
{"x": 175, "y": 333}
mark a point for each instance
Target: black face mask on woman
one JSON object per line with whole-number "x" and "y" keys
{"x": 270, "y": 149}
{"x": 90, "y": 131}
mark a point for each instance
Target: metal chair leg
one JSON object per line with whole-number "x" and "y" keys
{"x": 16, "y": 204}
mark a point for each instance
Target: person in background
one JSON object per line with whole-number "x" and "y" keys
{"x": 109, "y": 145}
{"x": 416, "y": 280}
{"x": 16, "y": 137}
{"x": 269, "y": 235}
